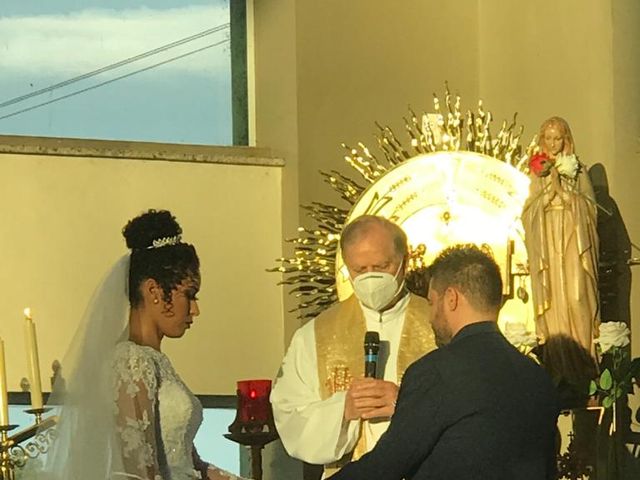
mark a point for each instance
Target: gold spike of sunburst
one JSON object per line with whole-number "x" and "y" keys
{"x": 311, "y": 271}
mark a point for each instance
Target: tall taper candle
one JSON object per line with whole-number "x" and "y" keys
{"x": 4, "y": 398}
{"x": 33, "y": 361}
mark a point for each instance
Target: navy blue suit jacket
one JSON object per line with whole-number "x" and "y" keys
{"x": 474, "y": 409}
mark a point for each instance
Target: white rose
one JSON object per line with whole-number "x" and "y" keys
{"x": 519, "y": 336}
{"x": 613, "y": 334}
{"x": 567, "y": 165}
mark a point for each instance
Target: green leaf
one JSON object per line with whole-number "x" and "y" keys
{"x": 593, "y": 388}
{"x": 607, "y": 401}
{"x": 605, "y": 379}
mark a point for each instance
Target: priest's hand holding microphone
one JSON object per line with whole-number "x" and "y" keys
{"x": 370, "y": 398}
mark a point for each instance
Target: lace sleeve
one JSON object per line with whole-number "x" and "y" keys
{"x": 135, "y": 393}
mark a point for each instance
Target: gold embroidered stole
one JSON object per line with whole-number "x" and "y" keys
{"x": 339, "y": 333}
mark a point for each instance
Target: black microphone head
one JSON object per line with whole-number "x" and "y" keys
{"x": 372, "y": 341}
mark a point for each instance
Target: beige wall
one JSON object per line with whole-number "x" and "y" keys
{"x": 326, "y": 71}
{"x": 329, "y": 69}
{"x": 275, "y": 119}
{"x": 61, "y": 220}
{"x": 364, "y": 61}
{"x": 550, "y": 58}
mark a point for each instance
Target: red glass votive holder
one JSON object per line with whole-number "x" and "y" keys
{"x": 253, "y": 425}
{"x": 253, "y": 402}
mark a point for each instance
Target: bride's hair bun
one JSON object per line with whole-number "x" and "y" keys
{"x": 151, "y": 225}
{"x": 158, "y": 253}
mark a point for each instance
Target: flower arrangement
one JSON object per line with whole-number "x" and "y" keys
{"x": 567, "y": 165}
{"x": 615, "y": 381}
{"x": 540, "y": 164}
{"x": 521, "y": 338}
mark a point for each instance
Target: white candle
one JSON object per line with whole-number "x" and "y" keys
{"x": 4, "y": 397}
{"x": 33, "y": 360}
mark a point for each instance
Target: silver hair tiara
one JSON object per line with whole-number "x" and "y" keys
{"x": 163, "y": 242}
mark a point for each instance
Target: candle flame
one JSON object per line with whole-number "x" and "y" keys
{"x": 27, "y": 313}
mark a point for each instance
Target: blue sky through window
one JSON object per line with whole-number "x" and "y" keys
{"x": 185, "y": 100}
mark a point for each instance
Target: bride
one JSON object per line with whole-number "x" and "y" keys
{"x": 125, "y": 412}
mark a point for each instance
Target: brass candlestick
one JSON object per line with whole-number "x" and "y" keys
{"x": 37, "y": 412}
{"x": 7, "y": 467}
{"x": 17, "y": 449}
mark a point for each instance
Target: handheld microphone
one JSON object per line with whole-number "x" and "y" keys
{"x": 371, "y": 349}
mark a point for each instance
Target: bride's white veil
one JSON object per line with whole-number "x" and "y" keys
{"x": 85, "y": 447}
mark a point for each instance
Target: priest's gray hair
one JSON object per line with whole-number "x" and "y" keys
{"x": 362, "y": 224}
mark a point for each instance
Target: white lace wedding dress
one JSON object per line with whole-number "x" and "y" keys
{"x": 150, "y": 398}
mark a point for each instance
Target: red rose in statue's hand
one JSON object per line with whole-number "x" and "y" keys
{"x": 540, "y": 164}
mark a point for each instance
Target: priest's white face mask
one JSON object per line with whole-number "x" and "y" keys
{"x": 376, "y": 290}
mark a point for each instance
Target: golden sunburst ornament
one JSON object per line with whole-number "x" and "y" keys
{"x": 452, "y": 174}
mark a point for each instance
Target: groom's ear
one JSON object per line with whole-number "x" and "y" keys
{"x": 451, "y": 298}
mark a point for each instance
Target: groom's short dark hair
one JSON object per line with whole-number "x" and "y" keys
{"x": 470, "y": 270}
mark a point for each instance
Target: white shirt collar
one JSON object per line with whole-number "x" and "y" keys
{"x": 394, "y": 313}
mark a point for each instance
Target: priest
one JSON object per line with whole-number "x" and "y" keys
{"x": 325, "y": 410}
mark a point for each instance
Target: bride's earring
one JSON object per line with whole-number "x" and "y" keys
{"x": 155, "y": 300}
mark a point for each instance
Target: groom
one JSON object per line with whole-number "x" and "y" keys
{"x": 476, "y": 408}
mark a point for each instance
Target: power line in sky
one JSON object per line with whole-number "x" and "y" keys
{"x": 121, "y": 77}
{"x": 113, "y": 66}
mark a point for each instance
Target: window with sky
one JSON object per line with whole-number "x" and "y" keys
{"x": 155, "y": 71}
